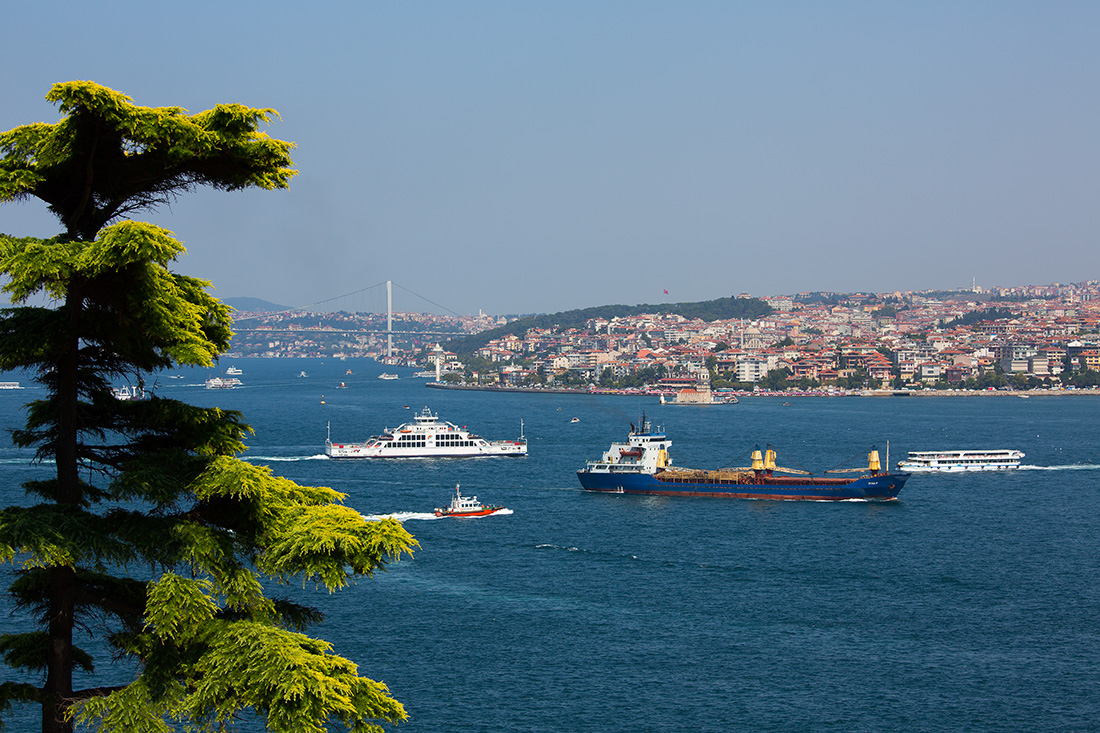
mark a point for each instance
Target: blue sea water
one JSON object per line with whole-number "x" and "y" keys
{"x": 971, "y": 603}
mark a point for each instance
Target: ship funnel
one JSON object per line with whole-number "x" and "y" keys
{"x": 757, "y": 460}
{"x": 769, "y": 459}
{"x": 873, "y": 463}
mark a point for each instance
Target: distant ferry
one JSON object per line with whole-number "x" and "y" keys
{"x": 961, "y": 460}
{"x": 641, "y": 466}
{"x": 222, "y": 383}
{"x": 233, "y": 371}
{"x": 691, "y": 397}
{"x": 386, "y": 375}
{"x": 427, "y": 437}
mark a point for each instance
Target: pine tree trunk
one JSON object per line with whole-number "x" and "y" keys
{"x": 59, "y": 653}
{"x": 59, "y": 662}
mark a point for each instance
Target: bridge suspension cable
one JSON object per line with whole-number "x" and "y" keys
{"x": 389, "y": 307}
{"x": 363, "y": 290}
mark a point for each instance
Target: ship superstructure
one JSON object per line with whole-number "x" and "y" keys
{"x": 427, "y": 437}
{"x": 997, "y": 459}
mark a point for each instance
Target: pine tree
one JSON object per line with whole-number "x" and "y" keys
{"x": 150, "y": 525}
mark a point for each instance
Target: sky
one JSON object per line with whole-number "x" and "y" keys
{"x": 522, "y": 157}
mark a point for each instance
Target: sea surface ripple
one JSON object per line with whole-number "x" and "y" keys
{"x": 971, "y": 603}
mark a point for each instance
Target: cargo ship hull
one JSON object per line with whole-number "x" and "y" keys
{"x": 883, "y": 487}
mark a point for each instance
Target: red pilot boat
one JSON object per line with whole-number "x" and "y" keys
{"x": 466, "y": 506}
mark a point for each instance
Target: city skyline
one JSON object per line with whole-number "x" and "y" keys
{"x": 524, "y": 159}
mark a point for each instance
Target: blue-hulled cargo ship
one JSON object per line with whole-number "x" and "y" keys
{"x": 642, "y": 465}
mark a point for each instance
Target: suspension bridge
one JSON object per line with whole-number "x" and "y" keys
{"x": 363, "y": 301}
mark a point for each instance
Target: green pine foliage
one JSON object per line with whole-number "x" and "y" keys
{"x": 151, "y": 527}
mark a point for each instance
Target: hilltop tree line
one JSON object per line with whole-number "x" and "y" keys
{"x": 720, "y": 309}
{"x": 980, "y": 316}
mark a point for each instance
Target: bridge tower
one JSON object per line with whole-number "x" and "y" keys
{"x": 389, "y": 319}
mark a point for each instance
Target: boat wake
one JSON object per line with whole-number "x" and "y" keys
{"x": 318, "y": 457}
{"x": 1070, "y": 467}
{"x": 399, "y": 516}
{"x": 24, "y": 461}
{"x": 403, "y": 516}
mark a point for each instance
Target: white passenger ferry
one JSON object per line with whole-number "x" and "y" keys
{"x": 961, "y": 460}
{"x": 427, "y": 437}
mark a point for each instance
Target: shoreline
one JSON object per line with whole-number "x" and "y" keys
{"x": 824, "y": 393}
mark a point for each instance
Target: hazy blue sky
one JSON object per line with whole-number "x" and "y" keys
{"x": 521, "y": 157}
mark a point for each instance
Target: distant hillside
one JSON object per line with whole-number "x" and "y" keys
{"x": 707, "y": 310}
{"x": 253, "y": 304}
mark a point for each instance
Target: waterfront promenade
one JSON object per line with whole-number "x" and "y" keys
{"x": 824, "y": 392}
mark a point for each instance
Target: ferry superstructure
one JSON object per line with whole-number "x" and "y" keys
{"x": 427, "y": 437}
{"x": 642, "y": 465}
{"x": 950, "y": 461}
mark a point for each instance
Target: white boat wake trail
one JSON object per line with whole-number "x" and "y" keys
{"x": 402, "y": 516}
{"x": 399, "y": 516}
{"x": 318, "y": 457}
{"x": 1071, "y": 467}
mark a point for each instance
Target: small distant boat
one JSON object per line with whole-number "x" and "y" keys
{"x": 576, "y": 419}
{"x": 10, "y": 385}
{"x": 466, "y": 506}
{"x": 386, "y": 375}
{"x": 302, "y": 374}
{"x": 347, "y": 373}
{"x": 175, "y": 376}
{"x": 128, "y": 393}
{"x": 222, "y": 383}
{"x": 233, "y": 371}
{"x": 961, "y": 460}
{"x": 342, "y": 386}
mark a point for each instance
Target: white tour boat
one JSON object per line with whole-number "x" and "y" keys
{"x": 386, "y": 375}
{"x": 233, "y": 371}
{"x": 427, "y": 437}
{"x": 961, "y": 460}
{"x": 222, "y": 383}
